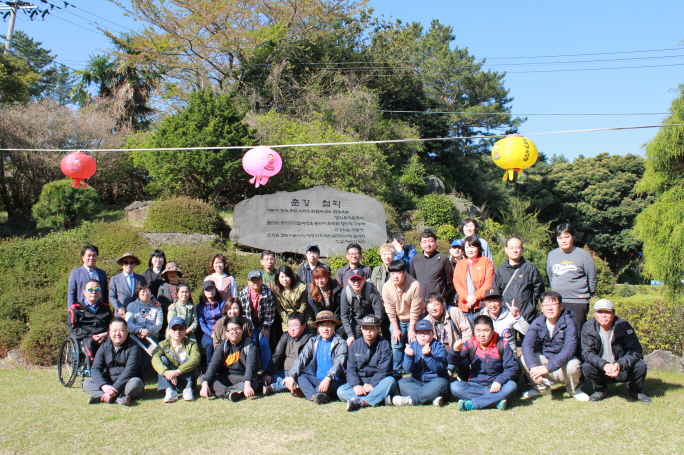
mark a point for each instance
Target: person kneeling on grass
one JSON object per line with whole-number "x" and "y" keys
{"x": 286, "y": 354}
{"x": 369, "y": 369}
{"x": 176, "y": 362}
{"x": 116, "y": 368}
{"x": 612, "y": 353}
{"x": 319, "y": 369}
{"x": 426, "y": 361}
{"x": 492, "y": 369}
{"x": 233, "y": 366}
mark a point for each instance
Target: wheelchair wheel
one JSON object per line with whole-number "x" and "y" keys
{"x": 67, "y": 362}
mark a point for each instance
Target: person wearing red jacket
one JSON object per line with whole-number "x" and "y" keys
{"x": 473, "y": 276}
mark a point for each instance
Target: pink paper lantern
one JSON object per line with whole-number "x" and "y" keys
{"x": 78, "y": 166}
{"x": 261, "y": 163}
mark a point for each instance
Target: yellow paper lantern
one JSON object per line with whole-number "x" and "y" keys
{"x": 514, "y": 153}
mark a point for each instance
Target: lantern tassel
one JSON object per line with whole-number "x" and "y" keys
{"x": 75, "y": 183}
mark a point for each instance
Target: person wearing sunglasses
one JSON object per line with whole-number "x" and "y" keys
{"x": 122, "y": 286}
{"x": 89, "y": 319}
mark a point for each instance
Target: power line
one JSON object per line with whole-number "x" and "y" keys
{"x": 516, "y": 114}
{"x": 78, "y": 25}
{"x": 321, "y": 144}
{"x": 100, "y": 17}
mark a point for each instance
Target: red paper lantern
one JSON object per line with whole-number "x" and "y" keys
{"x": 78, "y": 166}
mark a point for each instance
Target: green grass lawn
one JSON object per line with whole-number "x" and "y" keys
{"x": 40, "y": 416}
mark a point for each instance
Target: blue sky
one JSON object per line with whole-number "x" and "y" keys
{"x": 498, "y": 31}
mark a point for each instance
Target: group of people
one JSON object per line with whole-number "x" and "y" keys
{"x": 415, "y": 330}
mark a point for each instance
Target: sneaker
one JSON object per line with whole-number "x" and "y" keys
{"x": 402, "y": 401}
{"x": 236, "y": 396}
{"x": 355, "y": 404}
{"x": 267, "y": 390}
{"x": 298, "y": 393}
{"x": 94, "y": 400}
{"x": 124, "y": 400}
{"x": 321, "y": 398}
{"x": 580, "y": 396}
{"x": 438, "y": 402}
{"x": 640, "y": 397}
{"x": 388, "y": 400}
{"x": 501, "y": 405}
{"x": 536, "y": 393}
{"x": 171, "y": 396}
{"x": 465, "y": 405}
{"x": 188, "y": 394}
{"x": 598, "y": 395}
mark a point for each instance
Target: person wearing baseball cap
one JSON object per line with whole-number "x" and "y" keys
{"x": 319, "y": 369}
{"x": 426, "y": 361}
{"x": 507, "y": 319}
{"x": 612, "y": 353}
{"x": 369, "y": 368}
{"x": 358, "y": 299}
{"x": 456, "y": 251}
{"x": 176, "y": 362}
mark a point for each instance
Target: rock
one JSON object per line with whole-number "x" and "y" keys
{"x": 434, "y": 185}
{"x": 289, "y": 221}
{"x": 14, "y": 356}
{"x": 175, "y": 238}
{"x": 136, "y": 212}
{"x": 663, "y": 360}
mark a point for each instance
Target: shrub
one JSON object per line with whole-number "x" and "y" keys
{"x": 448, "y": 233}
{"x": 656, "y": 321}
{"x": 436, "y": 209}
{"x": 61, "y": 206}
{"x": 185, "y": 215}
{"x": 47, "y": 330}
{"x": 10, "y": 335}
{"x": 624, "y": 290}
{"x": 393, "y": 220}
{"x": 606, "y": 280}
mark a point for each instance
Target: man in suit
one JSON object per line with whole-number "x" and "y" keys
{"x": 122, "y": 286}
{"x": 80, "y": 276}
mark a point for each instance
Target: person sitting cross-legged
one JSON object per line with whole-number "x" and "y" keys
{"x": 116, "y": 369}
{"x": 286, "y": 353}
{"x": 493, "y": 368}
{"x": 176, "y": 362}
{"x": 426, "y": 361}
{"x": 319, "y": 369}
{"x": 612, "y": 353}
{"x": 233, "y": 367}
{"x": 369, "y": 369}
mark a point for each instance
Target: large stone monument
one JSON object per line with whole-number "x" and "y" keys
{"x": 325, "y": 216}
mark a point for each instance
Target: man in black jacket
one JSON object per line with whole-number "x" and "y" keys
{"x": 612, "y": 353}
{"x": 116, "y": 368}
{"x": 369, "y": 368}
{"x": 233, "y": 367}
{"x": 286, "y": 354}
{"x": 89, "y": 319}
{"x": 519, "y": 281}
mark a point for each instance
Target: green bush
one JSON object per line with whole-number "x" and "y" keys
{"x": 61, "y": 206}
{"x": 185, "y": 215}
{"x": 606, "y": 280}
{"x": 10, "y": 335}
{"x": 448, "y": 233}
{"x": 657, "y": 322}
{"x": 47, "y": 330}
{"x": 436, "y": 209}
{"x": 393, "y": 220}
{"x": 624, "y": 290}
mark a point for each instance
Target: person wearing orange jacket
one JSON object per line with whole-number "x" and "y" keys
{"x": 473, "y": 277}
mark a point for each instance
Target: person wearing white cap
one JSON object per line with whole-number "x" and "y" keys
{"x": 612, "y": 353}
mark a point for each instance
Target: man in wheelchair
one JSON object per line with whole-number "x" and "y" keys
{"x": 89, "y": 319}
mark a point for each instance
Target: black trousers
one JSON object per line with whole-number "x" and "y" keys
{"x": 634, "y": 377}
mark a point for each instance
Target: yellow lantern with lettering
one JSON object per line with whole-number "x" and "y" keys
{"x": 514, "y": 153}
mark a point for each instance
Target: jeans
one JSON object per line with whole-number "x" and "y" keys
{"x": 183, "y": 381}
{"x": 309, "y": 385}
{"x": 134, "y": 388}
{"x": 480, "y": 395}
{"x": 423, "y": 392}
{"x": 222, "y": 385}
{"x": 264, "y": 346}
{"x": 385, "y": 387}
{"x": 277, "y": 381}
{"x": 398, "y": 348}
{"x": 634, "y": 377}
{"x": 208, "y": 345}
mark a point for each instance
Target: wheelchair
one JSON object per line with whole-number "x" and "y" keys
{"x": 72, "y": 362}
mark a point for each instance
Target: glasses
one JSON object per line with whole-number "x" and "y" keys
{"x": 234, "y": 330}
{"x": 550, "y": 305}
{"x": 93, "y": 289}
{"x": 289, "y": 326}
{"x": 129, "y": 263}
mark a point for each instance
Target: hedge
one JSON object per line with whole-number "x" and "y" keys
{"x": 185, "y": 215}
